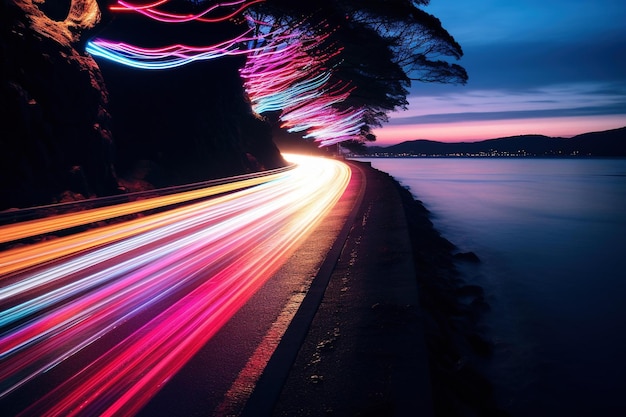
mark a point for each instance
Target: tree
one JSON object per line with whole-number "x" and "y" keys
{"x": 331, "y": 69}
{"x": 383, "y": 47}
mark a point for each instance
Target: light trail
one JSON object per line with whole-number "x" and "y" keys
{"x": 152, "y": 11}
{"x": 176, "y": 55}
{"x": 31, "y": 228}
{"x": 166, "y": 57}
{"x": 193, "y": 267}
{"x": 291, "y": 74}
{"x": 287, "y": 65}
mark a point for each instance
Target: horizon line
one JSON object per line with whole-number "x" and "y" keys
{"x": 496, "y": 138}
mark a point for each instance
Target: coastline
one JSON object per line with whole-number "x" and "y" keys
{"x": 457, "y": 345}
{"x": 398, "y": 331}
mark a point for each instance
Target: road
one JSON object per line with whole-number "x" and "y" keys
{"x": 97, "y": 323}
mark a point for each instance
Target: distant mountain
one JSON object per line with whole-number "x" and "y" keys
{"x": 606, "y": 143}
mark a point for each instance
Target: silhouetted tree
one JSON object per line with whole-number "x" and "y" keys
{"x": 385, "y": 45}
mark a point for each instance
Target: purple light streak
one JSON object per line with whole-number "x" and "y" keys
{"x": 195, "y": 266}
{"x": 286, "y": 68}
{"x": 151, "y": 11}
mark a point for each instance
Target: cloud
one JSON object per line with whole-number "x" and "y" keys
{"x": 579, "y": 99}
{"x": 555, "y": 110}
{"x": 514, "y": 64}
{"x": 534, "y": 66}
{"x": 489, "y": 129}
{"x": 565, "y": 58}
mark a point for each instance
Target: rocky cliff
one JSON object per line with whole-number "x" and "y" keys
{"x": 76, "y": 128}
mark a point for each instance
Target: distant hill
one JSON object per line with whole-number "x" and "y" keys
{"x": 606, "y": 143}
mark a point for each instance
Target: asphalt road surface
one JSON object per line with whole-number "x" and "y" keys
{"x": 170, "y": 314}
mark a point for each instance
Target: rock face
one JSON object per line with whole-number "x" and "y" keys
{"x": 80, "y": 128}
{"x": 56, "y": 135}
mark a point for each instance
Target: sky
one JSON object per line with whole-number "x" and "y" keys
{"x": 552, "y": 67}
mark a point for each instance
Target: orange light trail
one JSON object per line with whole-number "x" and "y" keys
{"x": 31, "y": 228}
{"x": 194, "y": 267}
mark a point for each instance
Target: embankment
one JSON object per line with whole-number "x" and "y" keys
{"x": 458, "y": 346}
{"x": 398, "y": 331}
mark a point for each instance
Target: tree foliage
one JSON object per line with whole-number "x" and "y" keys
{"x": 384, "y": 45}
{"x": 333, "y": 68}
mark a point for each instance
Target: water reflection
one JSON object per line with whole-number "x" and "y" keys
{"x": 550, "y": 233}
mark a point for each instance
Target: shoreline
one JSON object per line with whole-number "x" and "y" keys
{"x": 398, "y": 331}
{"x": 397, "y": 321}
{"x": 458, "y": 347}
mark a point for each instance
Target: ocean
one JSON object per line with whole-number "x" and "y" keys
{"x": 551, "y": 235}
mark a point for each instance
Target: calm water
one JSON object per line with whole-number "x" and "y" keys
{"x": 551, "y": 234}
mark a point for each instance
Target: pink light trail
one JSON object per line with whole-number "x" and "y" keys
{"x": 194, "y": 266}
{"x": 166, "y": 57}
{"x": 176, "y": 55}
{"x": 290, "y": 74}
{"x": 151, "y": 11}
{"x": 286, "y": 69}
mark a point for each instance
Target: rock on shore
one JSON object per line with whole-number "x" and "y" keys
{"x": 456, "y": 344}
{"x": 398, "y": 332}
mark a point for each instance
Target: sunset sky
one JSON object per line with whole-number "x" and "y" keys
{"x": 554, "y": 67}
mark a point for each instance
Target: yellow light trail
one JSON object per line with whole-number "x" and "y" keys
{"x": 37, "y": 227}
{"x": 193, "y": 267}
